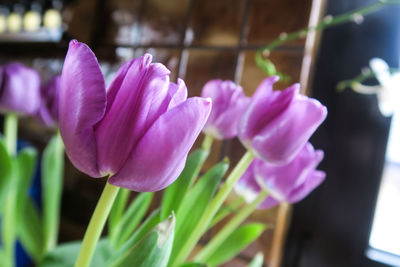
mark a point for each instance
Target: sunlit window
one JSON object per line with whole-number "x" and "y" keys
{"x": 385, "y": 233}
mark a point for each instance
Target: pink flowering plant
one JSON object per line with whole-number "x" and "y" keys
{"x": 138, "y": 133}
{"x": 21, "y": 96}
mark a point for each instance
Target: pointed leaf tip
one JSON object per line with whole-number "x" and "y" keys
{"x": 164, "y": 229}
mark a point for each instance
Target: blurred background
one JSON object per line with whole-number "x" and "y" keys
{"x": 199, "y": 40}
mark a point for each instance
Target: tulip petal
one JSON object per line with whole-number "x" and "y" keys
{"x": 265, "y": 87}
{"x": 177, "y": 93}
{"x": 43, "y": 116}
{"x": 160, "y": 155}
{"x": 21, "y": 92}
{"x": 247, "y": 187}
{"x": 313, "y": 180}
{"x": 268, "y": 203}
{"x": 139, "y": 101}
{"x": 214, "y": 90}
{"x": 53, "y": 95}
{"x": 116, "y": 83}
{"x": 48, "y": 111}
{"x": 229, "y": 102}
{"x": 82, "y": 105}
{"x": 221, "y": 92}
{"x": 280, "y": 180}
{"x": 227, "y": 123}
{"x": 281, "y": 140}
{"x": 211, "y": 89}
{"x": 263, "y": 109}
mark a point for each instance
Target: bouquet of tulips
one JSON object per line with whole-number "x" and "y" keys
{"x": 138, "y": 133}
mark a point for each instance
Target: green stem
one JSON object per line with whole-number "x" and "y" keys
{"x": 96, "y": 225}
{"x": 213, "y": 208}
{"x": 365, "y": 75}
{"x": 228, "y": 229}
{"x": 207, "y": 142}
{"x": 11, "y": 132}
{"x": 325, "y": 23}
{"x": 226, "y": 210}
{"x": 52, "y": 193}
{"x": 8, "y": 225}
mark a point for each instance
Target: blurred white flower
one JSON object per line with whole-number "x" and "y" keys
{"x": 388, "y": 90}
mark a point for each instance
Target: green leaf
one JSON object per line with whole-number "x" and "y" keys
{"x": 131, "y": 219}
{"x": 266, "y": 65}
{"x": 5, "y": 171}
{"x": 52, "y": 182}
{"x": 26, "y": 163}
{"x": 144, "y": 229}
{"x": 235, "y": 243}
{"x": 30, "y": 232}
{"x": 196, "y": 202}
{"x": 66, "y": 254}
{"x": 257, "y": 261}
{"x": 194, "y": 264}
{"x": 173, "y": 195}
{"x": 118, "y": 208}
{"x": 4, "y": 259}
{"x": 269, "y": 68}
{"x": 154, "y": 250}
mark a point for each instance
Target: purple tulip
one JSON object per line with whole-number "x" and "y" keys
{"x": 48, "y": 111}
{"x": 277, "y": 124}
{"x": 20, "y": 89}
{"x": 139, "y": 131}
{"x": 229, "y": 103}
{"x": 286, "y": 183}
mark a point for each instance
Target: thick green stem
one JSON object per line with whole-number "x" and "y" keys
{"x": 52, "y": 192}
{"x": 8, "y": 225}
{"x": 228, "y": 229}
{"x": 226, "y": 210}
{"x": 212, "y": 209}
{"x": 11, "y": 132}
{"x": 207, "y": 142}
{"x": 96, "y": 225}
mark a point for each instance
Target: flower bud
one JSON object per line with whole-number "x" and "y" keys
{"x": 139, "y": 131}
{"x": 229, "y": 102}
{"x": 286, "y": 183}
{"x": 277, "y": 124}
{"x": 20, "y": 89}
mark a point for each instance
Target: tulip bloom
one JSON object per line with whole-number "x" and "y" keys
{"x": 20, "y": 89}
{"x": 48, "y": 111}
{"x": 139, "y": 131}
{"x": 286, "y": 183}
{"x": 277, "y": 124}
{"x": 229, "y": 103}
